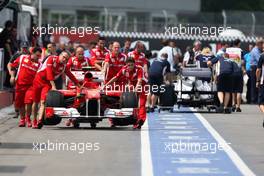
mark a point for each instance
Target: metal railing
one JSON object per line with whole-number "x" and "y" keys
{"x": 2, "y": 72}
{"x": 250, "y": 23}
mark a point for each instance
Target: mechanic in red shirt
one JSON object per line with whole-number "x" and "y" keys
{"x": 114, "y": 62}
{"x": 26, "y": 66}
{"x": 77, "y": 62}
{"x": 133, "y": 76}
{"x": 50, "y": 70}
{"x": 98, "y": 54}
{"x": 140, "y": 58}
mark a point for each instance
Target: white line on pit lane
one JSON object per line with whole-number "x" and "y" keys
{"x": 178, "y": 132}
{"x": 167, "y": 127}
{"x": 146, "y": 159}
{"x": 240, "y": 164}
{"x": 191, "y": 161}
{"x": 173, "y": 123}
{"x": 171, "y": 119}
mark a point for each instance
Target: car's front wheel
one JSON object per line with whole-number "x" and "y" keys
{"x": 54, "y": 99}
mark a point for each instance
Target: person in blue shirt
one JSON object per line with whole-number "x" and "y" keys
{"x": 205, "y": 56}
{"x": 260, "y": 82}
{"x": 90, "y": 46}
{"x": 247, "y": 58}
{"x": 224, "y": 81}
{"x": 202, "y": 59}
{"x": 126, "y": 49}
{"x": 255, "y": 55}
{"x": 157, "y": 76}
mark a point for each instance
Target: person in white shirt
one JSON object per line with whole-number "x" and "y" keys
{"x": 190, "y": 55}
{"x": 171, "y": 59}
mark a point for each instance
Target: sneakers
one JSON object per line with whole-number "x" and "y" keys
{"x": 220, "y": 109}
{"x": 148, "y": 109}
{"x": 35, "y": 124}
{"x": 112, "y": 126}
{"x": 152, "y": 109}
{"x": 227, "y": 111}
{"x": 28, "y": 122}
{"x": 40, "y": 124}
{"x": 233, "y": 108}
{"x": 16, "y": 114}
{"x": 138, "y": 125}
{"x": 22, "y": 122}
{"x": 68, "y": 122}
{"x": 238, "y": 110}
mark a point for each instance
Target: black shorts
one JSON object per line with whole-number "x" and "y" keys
{"x": 261, "y": 95}
{"x": 238, "y": 83}
{"x": 224, "y": 83}
{"x": 155, "y": 83}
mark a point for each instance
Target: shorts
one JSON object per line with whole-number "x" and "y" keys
{"x": 40, "y": 92}
{"x": 224, "y": 83}
{"x": 238, "y": 83}
{"x": 155, "y": 83}
{"x": 29, "y": 96}
{"x": 20, "y": 96}
{"x": 261, "y": 95}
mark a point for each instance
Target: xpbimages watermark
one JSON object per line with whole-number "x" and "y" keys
{"x": 193, "y": 147}
{"x": 140, "y": 88}
{"x": 61, "y": 30}
{"x": 181, "y": 29}
{"x": 78, "y": 147}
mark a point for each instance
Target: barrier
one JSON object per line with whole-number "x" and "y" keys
{"x": 2, "y": 72}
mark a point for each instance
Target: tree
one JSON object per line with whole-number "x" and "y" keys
{"x": 219, "y": 5}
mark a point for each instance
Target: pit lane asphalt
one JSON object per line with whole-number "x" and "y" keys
{"x": 118, "y": 154}
{"x": 119, "y": 149}
{"x": 245, "y": 133}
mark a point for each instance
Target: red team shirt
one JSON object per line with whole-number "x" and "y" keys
{"x": 27, "y": 70}
{"x": 52, "y": 69}
{"x": 139, "y": 58}
{"x": 115, "y": 64}
{"x": 76, "y": 64}
{"x": 98, "y": 55}
{"x": 131, "y": 77}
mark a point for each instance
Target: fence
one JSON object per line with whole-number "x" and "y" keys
{"x": 2, "y": 72}
{"x": 250, "y": 23}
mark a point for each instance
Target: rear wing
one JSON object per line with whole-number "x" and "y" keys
{"x": 98, "y": 76}
{"x": 197, "y": 72}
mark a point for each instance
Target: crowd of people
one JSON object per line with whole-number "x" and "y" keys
{"x": 34, "y": 71}
{"x": 234, "y": 68}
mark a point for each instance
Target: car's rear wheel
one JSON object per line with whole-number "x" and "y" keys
{"x": 129, "y": 100}
{"x": 54, "y": 99}
{"x": 76, "y": 124}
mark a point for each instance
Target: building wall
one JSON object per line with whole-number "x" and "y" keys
{"x": 128, "y": 5}
{"x": 117, "y": 15}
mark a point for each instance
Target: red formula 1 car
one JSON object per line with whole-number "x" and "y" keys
{"x": 92, "y": 105}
